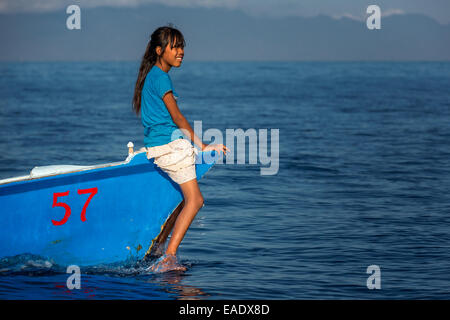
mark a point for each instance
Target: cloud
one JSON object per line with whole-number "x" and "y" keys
{"x": 391, "y": 12}
{"x": 439, "y": 9}
{"x": 53, "y": 5}
{"x": 384, "y": 13}
{"x": 347, "y": 15}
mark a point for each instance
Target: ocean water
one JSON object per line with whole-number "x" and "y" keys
{"x": 363, "y": 177}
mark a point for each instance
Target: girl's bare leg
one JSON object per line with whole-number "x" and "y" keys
{"x": 193, "y": 202}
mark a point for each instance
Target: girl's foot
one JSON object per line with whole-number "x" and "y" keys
{"x": 166, "y": 263}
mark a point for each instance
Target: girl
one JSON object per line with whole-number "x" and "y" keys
{"x": 155, "y": 100}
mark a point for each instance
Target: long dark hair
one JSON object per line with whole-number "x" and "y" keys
{"x": 161, "y": 37}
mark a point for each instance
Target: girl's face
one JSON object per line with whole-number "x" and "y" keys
{"x": 172, "y": 57}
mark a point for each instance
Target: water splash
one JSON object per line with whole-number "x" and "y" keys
{"x": 35, "y": 265}
{"x": 28, "y": 264}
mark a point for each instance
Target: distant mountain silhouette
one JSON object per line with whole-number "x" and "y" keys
{"x": 219, "y": 34}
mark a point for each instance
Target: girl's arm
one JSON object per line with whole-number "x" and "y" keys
{"x": 180, "y": 120}
{"x": 185, "y": 127}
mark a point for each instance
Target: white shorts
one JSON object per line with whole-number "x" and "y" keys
{"x": 177, "y": 159}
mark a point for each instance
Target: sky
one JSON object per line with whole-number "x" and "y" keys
{"x": 323, "y": 30}
{"x": 437, "y": 9}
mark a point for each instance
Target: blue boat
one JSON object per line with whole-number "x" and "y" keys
{"x": 90, "y": 215}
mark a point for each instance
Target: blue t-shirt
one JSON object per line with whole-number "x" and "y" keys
{"x": 156, "y": 119}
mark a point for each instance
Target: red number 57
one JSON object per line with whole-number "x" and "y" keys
{"x": 68, "y": 211}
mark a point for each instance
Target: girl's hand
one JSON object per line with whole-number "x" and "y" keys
{"x": 217, "y": 147}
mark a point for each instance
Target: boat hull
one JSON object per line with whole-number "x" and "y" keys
{"x": 91, "y": 217}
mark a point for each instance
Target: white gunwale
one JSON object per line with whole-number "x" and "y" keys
{"x": 82, "y": 168}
